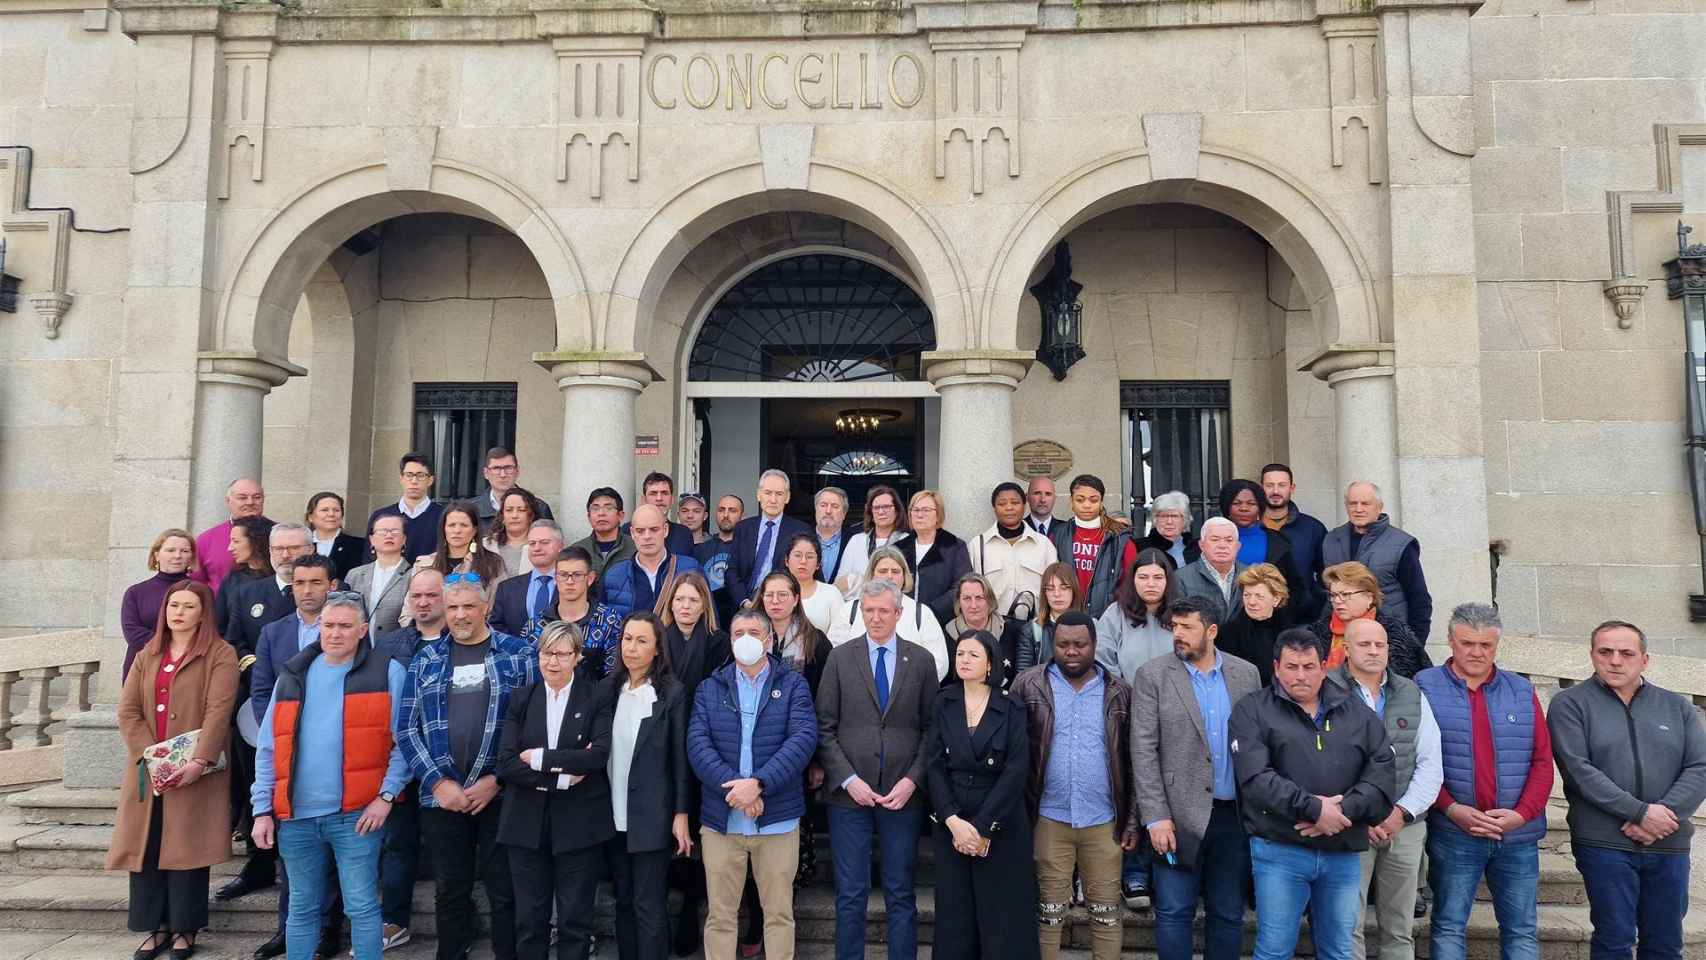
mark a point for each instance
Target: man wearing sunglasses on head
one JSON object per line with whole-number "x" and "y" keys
{"x": 449, "y": 729}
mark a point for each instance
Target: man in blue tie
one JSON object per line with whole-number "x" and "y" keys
{"x": 760, "y": 540}
{"x": 522, "y": 598}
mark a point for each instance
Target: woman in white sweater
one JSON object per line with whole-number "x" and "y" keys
{"x": 884, "y": 522}
{"x": 819, "y": 601}
{"x": 917, "y": 623}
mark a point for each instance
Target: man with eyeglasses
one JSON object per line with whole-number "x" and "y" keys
{"x": 503, "y": 474}
{"x": 608, "y": 544}
{"x": 311, "y": 583}
{"x": 599, "y": 623}
{"x": 450, "y": 727}
{"x": 523, "y": 598}
{"x": 420, "y": 514}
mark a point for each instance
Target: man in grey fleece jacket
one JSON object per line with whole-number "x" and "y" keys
{"x": 1633, "y": 758}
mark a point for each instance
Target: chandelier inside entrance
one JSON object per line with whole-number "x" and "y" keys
{"x": 862, "y": 423}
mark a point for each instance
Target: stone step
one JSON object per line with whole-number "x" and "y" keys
{"x": 96, "y": 904}
{"x": 58, "y": 804}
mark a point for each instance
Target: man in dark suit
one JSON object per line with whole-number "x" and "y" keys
{"x": 253, "y": 605}
{"x": 521, "y": 598}
{"x": 875, "y": 706}
{"x": 1039, "y": 504}
{"x": 761, "y": 542}
{"x": 312, "y": 579}
{"x": 829, "y": 508}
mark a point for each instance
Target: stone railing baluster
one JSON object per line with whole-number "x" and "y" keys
{"x": 34, "y": 721}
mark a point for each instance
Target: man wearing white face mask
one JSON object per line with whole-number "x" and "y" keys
{"x": 752, "y": 732}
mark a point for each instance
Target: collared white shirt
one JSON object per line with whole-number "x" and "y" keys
{"x": 556, "y": 703}
{"x": 283, "y": 584}
{"x": 381, "y": 579}
{"x": 403, "y": 508}
{"x": 324, "y": 547}
{"x": 633, "y": 705}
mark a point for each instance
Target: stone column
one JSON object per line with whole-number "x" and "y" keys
{"x": 1365, "y": 426}
{"x": 598, "y": 427}
{"x": 230, "y": 388}
{"x": 976, "y": 448}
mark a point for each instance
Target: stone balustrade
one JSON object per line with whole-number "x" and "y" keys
{"x": 29, "y": 665}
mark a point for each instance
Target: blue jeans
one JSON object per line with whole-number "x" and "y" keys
{"x": 1456, "y": 863}
{"x": 1634, "y": 896}
{"x": 1135, "y": 868}
{"x": 1223, "y": 866}
{"x": 896, "y": 832}
{"x": 306, "y": 846}
{"x": 1292, "y": 879}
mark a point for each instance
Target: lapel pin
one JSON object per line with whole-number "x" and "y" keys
{"x": 775, "y": 694}
{"x": 577, "y": 716}
{"x": 990, "y": 761}
{"x": 257, "y": 610}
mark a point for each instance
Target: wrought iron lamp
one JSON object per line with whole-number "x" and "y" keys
{"x": 8, "y": 285}
{"x": 1062, "y": 342}
{"x": 1685, "y": 280}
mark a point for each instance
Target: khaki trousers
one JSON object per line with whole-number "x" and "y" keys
{"x": 774, "y": 861}
{"x": 1096, "y": 853}
{"x": 1397, "y": 865}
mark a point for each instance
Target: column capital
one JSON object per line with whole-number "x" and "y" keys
{"x": 946, "y": 368}
{"x": 574, "y": 368}
{"x": 245, "y": 368}
{"x": 1344, "y": 361}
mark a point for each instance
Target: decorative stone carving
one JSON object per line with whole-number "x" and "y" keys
{"x": 1625, "y": 295}
{"x": 37, "y": 242}
{"x": 1355, "y": 89}
{"x": 598, "y": 101}
{"x": 977, "y": 94}
{"x": 246, "y": 66}
{"x": 1624, "y": 288}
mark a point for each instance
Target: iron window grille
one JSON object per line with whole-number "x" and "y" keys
{"x": 456, "y": 423}
{"x": 1177, "y": 436}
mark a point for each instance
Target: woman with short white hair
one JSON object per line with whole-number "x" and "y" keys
{"x": 917, "y": 623}
{"x": 1170, "y": 529}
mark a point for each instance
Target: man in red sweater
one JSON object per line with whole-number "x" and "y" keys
{"x": 1491, "y": 810}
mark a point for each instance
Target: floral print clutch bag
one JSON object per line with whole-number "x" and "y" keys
{"x": 162, "y": 762}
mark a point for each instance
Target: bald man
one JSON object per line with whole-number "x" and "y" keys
{"x": 1394, "y": 557}
{"x": 646, "y": 581}
{"x": 244, "y": 498}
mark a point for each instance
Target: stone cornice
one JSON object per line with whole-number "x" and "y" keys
{"x": 1340, "y": 358}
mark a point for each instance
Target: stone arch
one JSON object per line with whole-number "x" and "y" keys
{"x": 673, "y": 230}
{"x": 290, "y": 246}
{"x": 1334, "y": 274}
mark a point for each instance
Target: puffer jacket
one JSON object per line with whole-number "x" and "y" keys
{"x": 784, "y": 740}
{"x": 619, "y": 589}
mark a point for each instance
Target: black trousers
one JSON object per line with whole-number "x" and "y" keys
{"x": 262, "y": 869}
{"x": 542, "y": 877}
{"x": 464, "y": 848}
{"x": 174, "y": 900}
{"x": 641, "y": 882}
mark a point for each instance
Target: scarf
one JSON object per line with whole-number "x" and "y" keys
{"x": 1336, "y": 654}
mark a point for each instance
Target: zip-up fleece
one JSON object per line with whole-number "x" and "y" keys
{"x": 1617, "y": 758}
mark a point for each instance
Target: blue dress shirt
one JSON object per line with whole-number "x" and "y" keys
{"x": 1216, "y": 706}
{"x": 751, "y": 692}
{"x": 1076, "y": 791}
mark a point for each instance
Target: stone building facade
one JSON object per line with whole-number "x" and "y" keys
{"x": 1418, "y": 242}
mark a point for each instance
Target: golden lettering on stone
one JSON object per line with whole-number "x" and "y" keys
{"x": 827, "y": 80}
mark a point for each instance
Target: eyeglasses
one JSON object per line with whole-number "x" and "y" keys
{"x": 505, "y": 468}
{"x": 351, "y": 595}
{"x": 571, "y": 575}
{"x": 1342, "y": 596}
{"x": 555, "y": 655}
{"x": 472, "y": 578}
{"x": 416, "y": 475}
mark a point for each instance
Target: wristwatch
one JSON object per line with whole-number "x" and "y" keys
{"x": 387, "y": 796}
{"x": 1408, "y": 816}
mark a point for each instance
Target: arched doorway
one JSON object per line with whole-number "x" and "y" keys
{"x": 822, "y": 352}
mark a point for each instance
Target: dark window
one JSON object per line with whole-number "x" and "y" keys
{"x": 1178, "y": 437}
{"x": 819, "y": 318}
{"x": 457, "y": 423}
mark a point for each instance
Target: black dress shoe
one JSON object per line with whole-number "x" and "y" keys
{"x": 239, "y": 886}
{"x": 272, "y": 948}
{"x": 184, "y": 952}
{"x": 162, "y": 939}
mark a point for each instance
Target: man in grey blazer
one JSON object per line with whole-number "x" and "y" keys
{"x": 1186, "y": 792}
{"x": 384, "y": 583}
{"x": 1215, "y": 574}
{"x": 874, "y": 708}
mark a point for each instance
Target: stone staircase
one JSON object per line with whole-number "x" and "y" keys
{"x": 57, "y": 902}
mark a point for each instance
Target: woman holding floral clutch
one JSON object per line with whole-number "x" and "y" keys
{"x": 183, "y": 682}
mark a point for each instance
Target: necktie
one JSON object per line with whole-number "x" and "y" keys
{"x": 761, "y": 560}
{"x": 882, "y": 680}
{"x": 541, "y": 591}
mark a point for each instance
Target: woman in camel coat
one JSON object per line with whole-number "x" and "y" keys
{"x": 169, "y": 842}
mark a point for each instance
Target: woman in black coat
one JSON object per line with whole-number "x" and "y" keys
{"x": 1265, "y": 611}
{"x": 937, "y": 558}
{"x": 556, "y": 813}
{"x": 979, "y": 753}
{"x": 325, "y": 518}
{"x": 648, "y": 786}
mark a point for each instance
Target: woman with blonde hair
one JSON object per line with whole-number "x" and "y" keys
{"x": 917, "y": 623}
{"x": 172, "y": 557}
{"x": 1249, "y": 633}
{"x": 936, "y": 557}
{"x": 1353, "y": 593}
{"x": 183, "y": 682}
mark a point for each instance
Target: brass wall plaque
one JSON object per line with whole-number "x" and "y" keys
{"x": 1041, "y": 458}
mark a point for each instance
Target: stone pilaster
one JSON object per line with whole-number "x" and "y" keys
{"x": 976, "y": 447}
{"x": 1365, "y": 412}
{"x": 598, "y": 427}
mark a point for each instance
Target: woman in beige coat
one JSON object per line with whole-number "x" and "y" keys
{"x": 185, "y": 679}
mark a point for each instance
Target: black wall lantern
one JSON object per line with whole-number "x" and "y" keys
{"x": 1685, "y": 280}
{"x": 1063, "y": 315}
{"x": 8, "y": 285}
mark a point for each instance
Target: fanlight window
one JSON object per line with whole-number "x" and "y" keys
{"x": 862, "y": 463}
{"x": 819, "y": 318}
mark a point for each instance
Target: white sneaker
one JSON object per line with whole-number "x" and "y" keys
{"x": 394, "y": 936}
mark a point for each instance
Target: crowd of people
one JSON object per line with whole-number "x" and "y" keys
{"x": 1068, "y": 710}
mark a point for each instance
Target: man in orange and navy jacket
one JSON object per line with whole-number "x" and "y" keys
{"x": 327, "y": 771}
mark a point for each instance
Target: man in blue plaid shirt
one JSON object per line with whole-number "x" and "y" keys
{"x": 448, "y": 728}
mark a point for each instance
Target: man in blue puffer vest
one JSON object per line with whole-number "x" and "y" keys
{"x": 1491, "y": 812}
{"x": 752, "y": 733}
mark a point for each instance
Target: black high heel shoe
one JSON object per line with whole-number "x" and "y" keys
{"x": 161, "y": 939}
{"x": 183, "y": 953}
